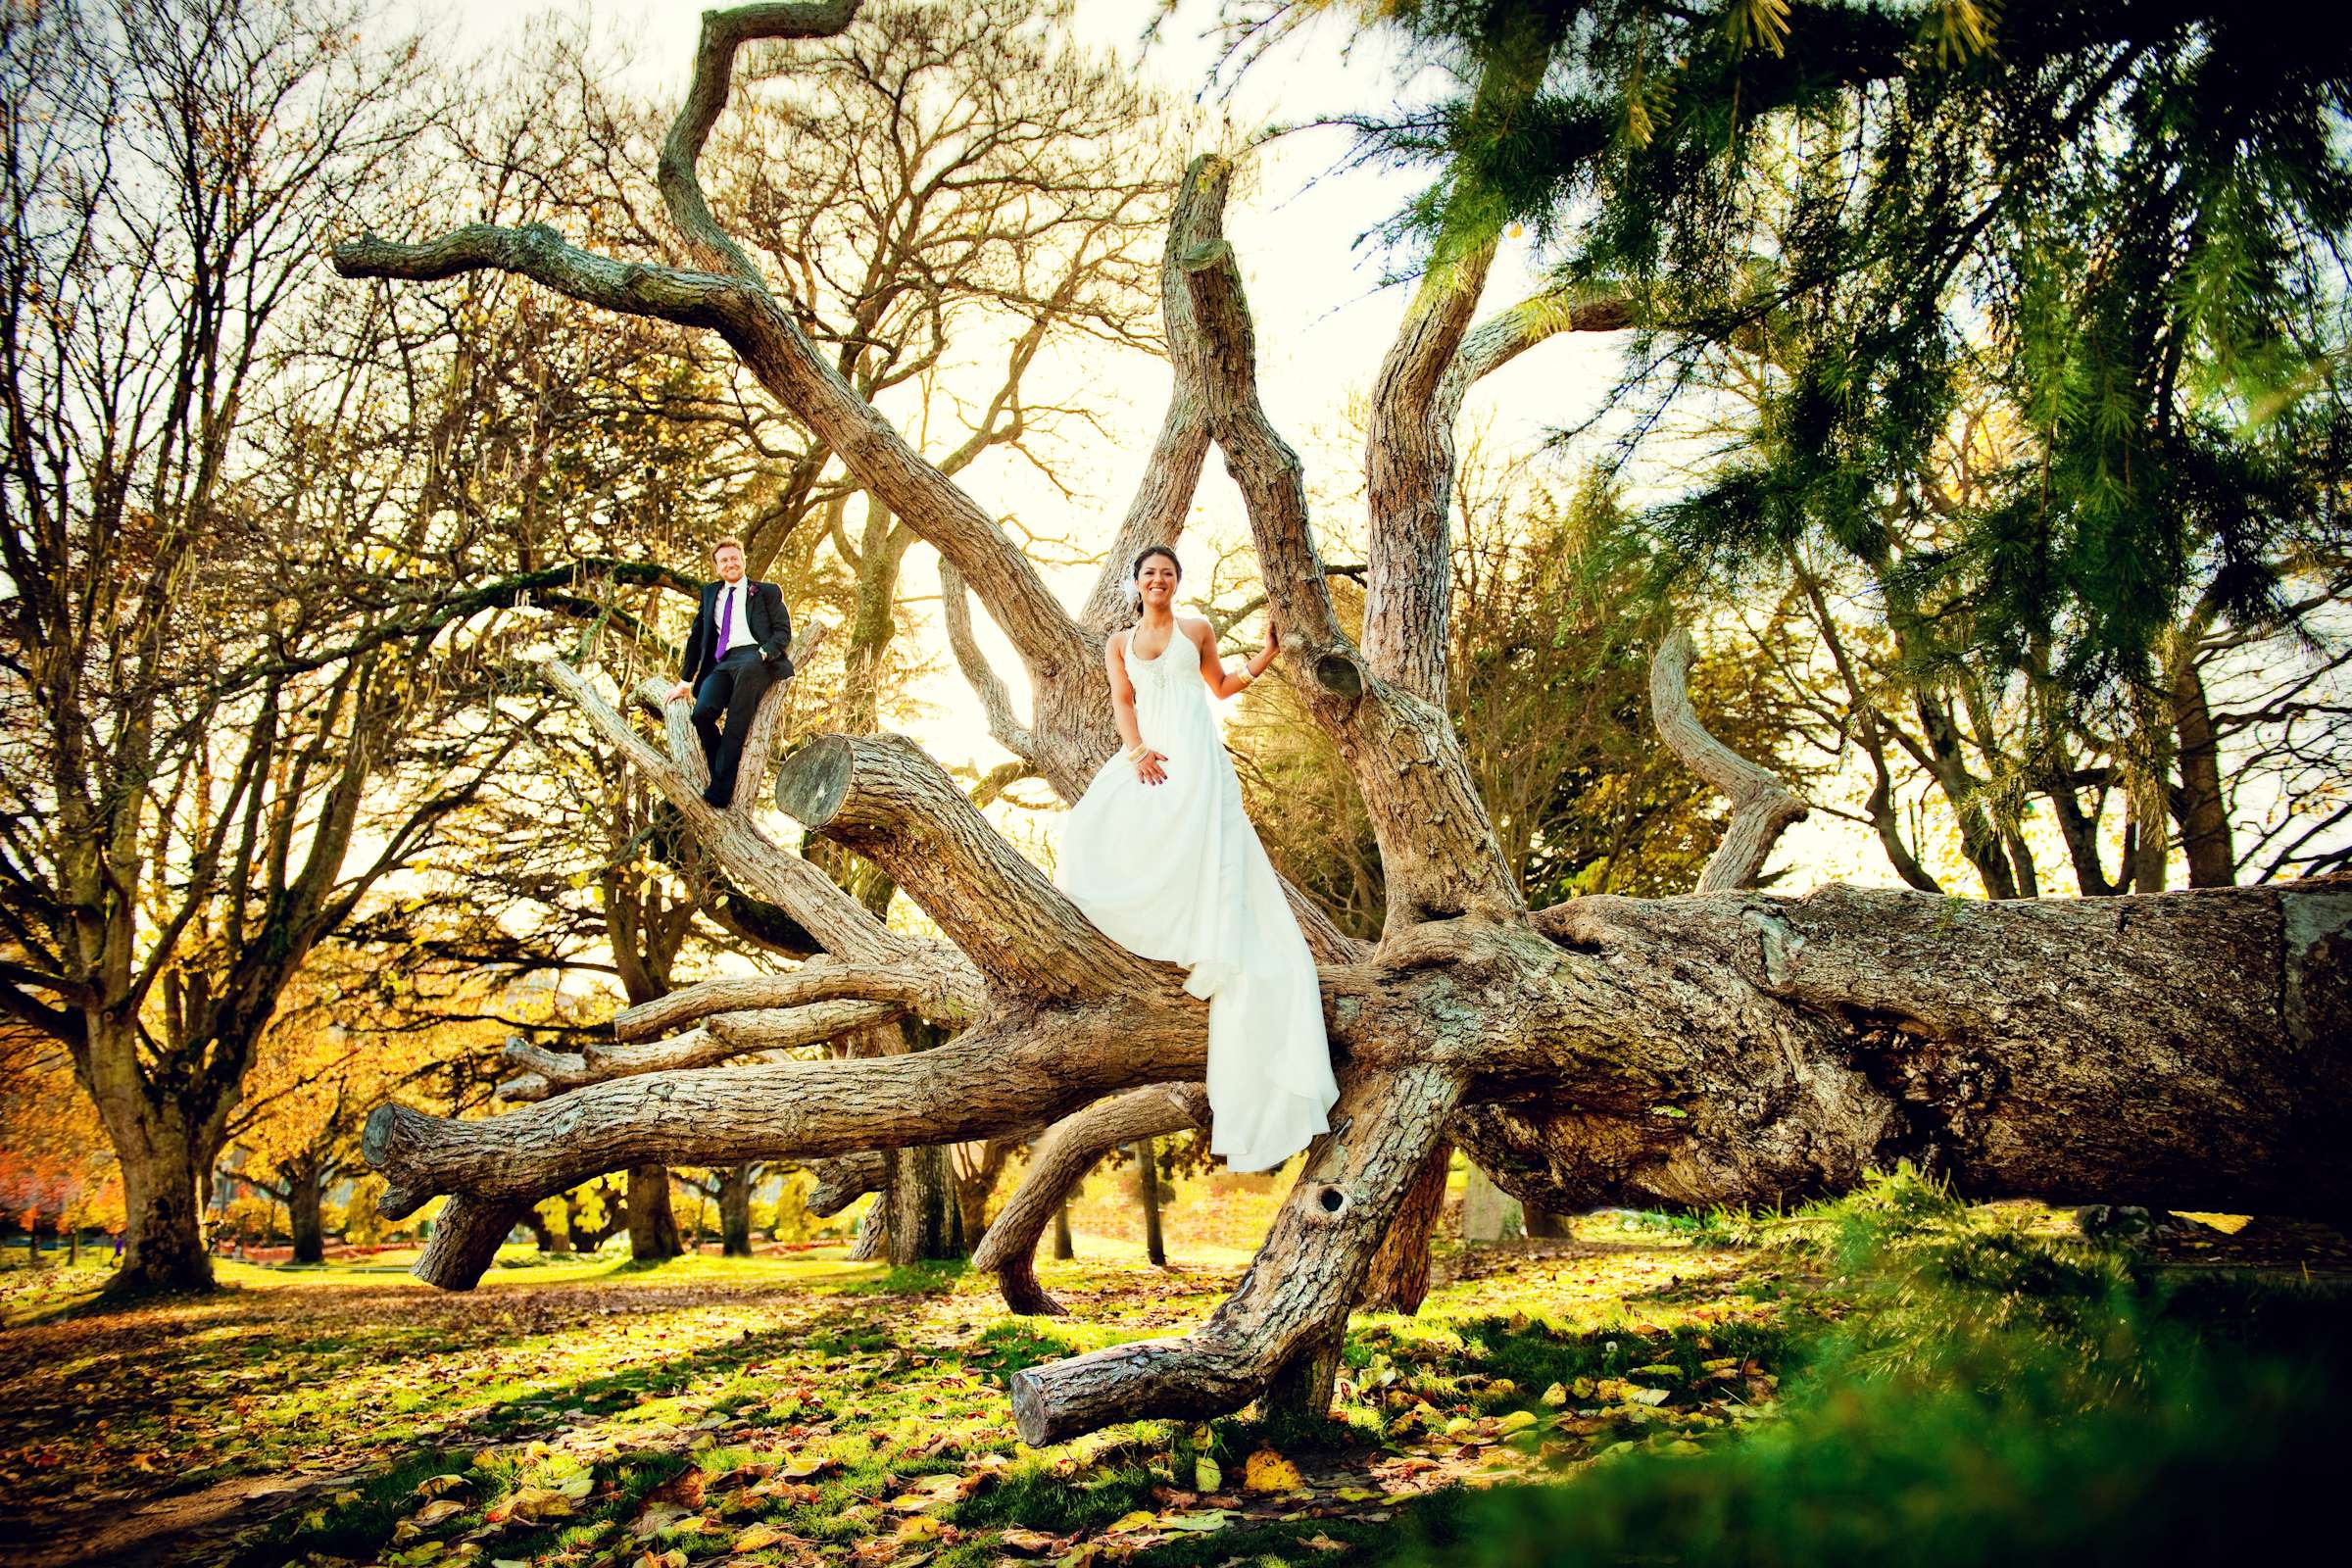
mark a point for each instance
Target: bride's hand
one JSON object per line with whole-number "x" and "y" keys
{"x": 1148, "y": 768}
{"x": 1273, "y": 643}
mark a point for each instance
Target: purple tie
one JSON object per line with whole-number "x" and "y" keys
{"x": 726, "y": 618}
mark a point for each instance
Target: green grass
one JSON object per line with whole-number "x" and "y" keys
{"x": 1897, "y": 1377}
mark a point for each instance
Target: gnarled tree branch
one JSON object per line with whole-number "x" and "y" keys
{"x": 1762, "y": 806}
{"x": 1297, "y": 1290}
{"x": 1059, "y": 1160}
{"x": 999, "y": 1077}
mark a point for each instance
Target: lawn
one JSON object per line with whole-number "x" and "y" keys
{"x": 1633, "y": 1389}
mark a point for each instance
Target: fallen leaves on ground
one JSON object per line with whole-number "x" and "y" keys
{"x": 817, "y": 1411}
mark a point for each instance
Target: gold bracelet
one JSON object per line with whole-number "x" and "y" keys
{"x": 1135, "y": 753}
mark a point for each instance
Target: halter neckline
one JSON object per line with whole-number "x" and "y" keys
{"x": 1174, "y": 632}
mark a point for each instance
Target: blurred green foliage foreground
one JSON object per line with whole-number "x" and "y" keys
{"x": 1963, "y": 1391}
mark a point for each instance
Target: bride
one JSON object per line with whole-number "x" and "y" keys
{"x": 1159, "y": 855}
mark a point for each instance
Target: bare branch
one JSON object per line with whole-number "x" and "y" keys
{"x": 723, "y": 32}
{"x": 1299, "y": 1289}
{"x": 537, "y": 252}
{"x": 995, "y": 1078}
{"x": 1762, "y": 807}
{"x": 737, "y": 1034}
{"x": 1059, "y": 1162}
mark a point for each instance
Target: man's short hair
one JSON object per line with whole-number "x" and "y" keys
{"x": 724, "y": 544}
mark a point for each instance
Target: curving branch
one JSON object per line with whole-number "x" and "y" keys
{"x": 723, "y": 32}
{"x": 535, "y": 251}
{"x": 765, "y": 335}
{"x": 1164, "y": 494}
{"x": 1059, "y": 1162}
{"x": 1762, "y": 806}
{"x": 884, "y": 797}
{"x": 1502, "y": 337}
{"x": 841, "y": 1182}
{"x": 994, "y": 1079}
{"x": 1297, "y": 1291}
{"x": 1004, "y": 727}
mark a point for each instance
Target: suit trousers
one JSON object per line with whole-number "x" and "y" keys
{"x": 733, "y": 687}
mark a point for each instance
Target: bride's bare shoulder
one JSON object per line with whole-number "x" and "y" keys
{"x": 1198, "y": 630}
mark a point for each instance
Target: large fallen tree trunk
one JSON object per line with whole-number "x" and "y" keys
{"x": 1725, "y": 1046}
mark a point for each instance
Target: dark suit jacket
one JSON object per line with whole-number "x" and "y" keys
{"x": 762, "y": 606}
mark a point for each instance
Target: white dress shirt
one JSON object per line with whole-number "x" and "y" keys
{"x": 739, "y": 633}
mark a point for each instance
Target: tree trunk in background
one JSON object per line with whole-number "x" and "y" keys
{"x": 544, "y": 1236}
{"x": 1485, "y": 1210}
{"x": 735, "y": 1211}
{"x": 583, "y": 1237}
{"x": 922, "y": 1221}
{"x": 2202, "y": 807}
{"x": 164, "y": 1170}
{"x": 305, "y": 1198}
{"x": 653, "y": 1226}
{"x": 1147, "y": 1187}
{"x": 1063, "y": 1247}
{"x": 1399, "y": 1279}
{"x": 1543, "y": 1223}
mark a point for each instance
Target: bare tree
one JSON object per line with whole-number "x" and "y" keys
{"x": 217, "y": 652}
{"x": 1721, "y": 1047}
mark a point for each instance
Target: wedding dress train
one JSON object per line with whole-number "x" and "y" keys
{"x": 1175, "y": 871}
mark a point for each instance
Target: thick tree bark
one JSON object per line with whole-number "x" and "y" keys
{"x": 841, "y": 1182}
{"x": 166, "y": 1169}
{"x": 1399, "y": 1279}
{"x": 1065, "y": 1247}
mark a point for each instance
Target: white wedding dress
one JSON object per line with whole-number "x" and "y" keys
{"x": 1175, "y": 871}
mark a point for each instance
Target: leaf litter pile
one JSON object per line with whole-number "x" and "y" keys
{"x": 803, "y": 1411}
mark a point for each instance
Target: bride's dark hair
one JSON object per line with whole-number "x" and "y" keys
{"x": 1135, "y": 569}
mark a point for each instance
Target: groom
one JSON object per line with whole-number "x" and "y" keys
{"x": 734, "y": 649}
